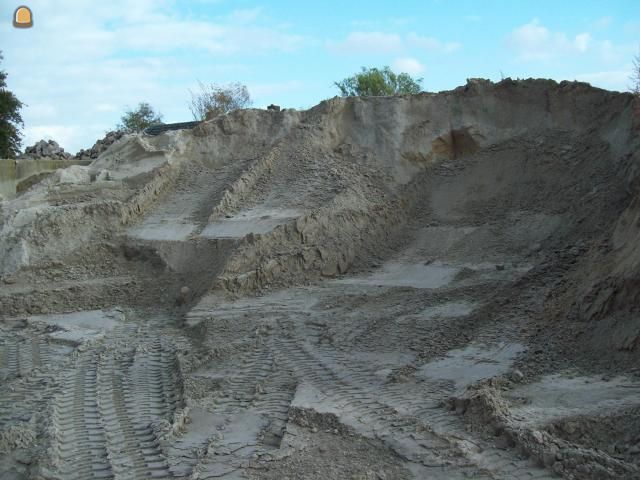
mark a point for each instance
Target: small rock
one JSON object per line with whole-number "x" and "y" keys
{"x": 537, "y": 436}
{"x": 517, "y": 376}
{"x": 185, "y": 294}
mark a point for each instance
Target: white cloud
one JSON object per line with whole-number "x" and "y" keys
{"x": 603, "y": 23}
{"x": 611, "y": 53}
{"x": 531, "y": 41}
{"x": 246, "y": 15}
{"x": 62, "y": 134}
{"x": 534, "y": 41}
{"x": 582, "y": 42}
{"x": 378, "y": 42}
{"x": 368, "y": 42}
{"x": 408, "y": 65}
{"x": 611, "y": 80}
{"x": 41, "y": 110}
{"x": 431, "y": 44}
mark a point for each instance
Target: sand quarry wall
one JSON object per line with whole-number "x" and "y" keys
{"x": 403, "y": 133}
{"x": 397, "y": 138}
{"x": 404, "y": 137}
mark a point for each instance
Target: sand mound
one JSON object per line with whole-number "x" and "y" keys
{"x": 352, "y": 272}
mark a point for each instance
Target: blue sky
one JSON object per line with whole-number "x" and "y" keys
{"x": 84, "y": 62}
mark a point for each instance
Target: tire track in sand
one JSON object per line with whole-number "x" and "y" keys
{"x": 407, "y": 418}
{"x": 251, "y": 413}
{"x": 105, "y": 420}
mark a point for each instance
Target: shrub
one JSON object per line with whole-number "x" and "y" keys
{"x": 213, "y": 99}
{"x": 134, "y": 121}
{"x": 378, "y": 82}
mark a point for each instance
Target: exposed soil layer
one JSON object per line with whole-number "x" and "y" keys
{"x": 433, "y": 286}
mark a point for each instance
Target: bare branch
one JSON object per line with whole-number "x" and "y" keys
{"x": 212, "y": 100}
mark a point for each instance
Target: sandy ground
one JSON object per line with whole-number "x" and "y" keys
{"x": 372, "y": 292}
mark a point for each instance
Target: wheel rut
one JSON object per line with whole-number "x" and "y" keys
{"x": 19, "y": 356}
{"x": 361, "y": 408}
{"x": 111, "y": 411}
{"x": 79, "y": 447}
{"x": 251, "y": 410}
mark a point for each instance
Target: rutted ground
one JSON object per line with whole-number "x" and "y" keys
{"x": 409, "y": 287}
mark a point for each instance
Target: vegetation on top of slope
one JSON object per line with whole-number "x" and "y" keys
{"x": 213, "y": 100}
{"x": 143, "y": 116}
{"x": 378, "y": 82}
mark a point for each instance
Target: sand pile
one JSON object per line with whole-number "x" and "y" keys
{"x": 441, "y": 279}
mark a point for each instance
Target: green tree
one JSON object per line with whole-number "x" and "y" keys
{"x": 213, "y": 100}
{"x": 372, "y": 82}
{"x": 134, "y": 121}
{"x": 10, "y": 120}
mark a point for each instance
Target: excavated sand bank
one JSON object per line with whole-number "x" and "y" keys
{"x": 432, "y": 286}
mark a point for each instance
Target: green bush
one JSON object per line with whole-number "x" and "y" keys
{"x": 378, "y": 82}
{"x": 134, "y": 121}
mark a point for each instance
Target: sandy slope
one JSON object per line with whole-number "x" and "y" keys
{"x": 436, "y": 286}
